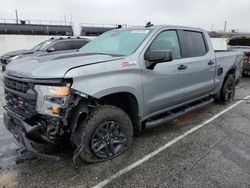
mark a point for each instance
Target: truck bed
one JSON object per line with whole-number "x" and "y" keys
{"x": 228, "y": 54}
{"x": 228, "y": 58}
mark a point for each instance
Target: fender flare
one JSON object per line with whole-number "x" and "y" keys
{"x": 81, "y": 108}
{"x": 77, "y": 132}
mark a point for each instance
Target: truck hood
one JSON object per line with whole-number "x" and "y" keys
{"x": 42, "y": 53}
{"x": 54, "y": 65}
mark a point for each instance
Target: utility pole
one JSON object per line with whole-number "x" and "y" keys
{"x": 212, "y": 29}
{"x": 65, "y": 19}
{"x": 225, "y": 26}
{"x": 71, "y": 23}
{"x": 16, "y": 16}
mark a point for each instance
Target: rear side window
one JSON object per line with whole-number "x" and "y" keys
{"x": 62, "y": 45}
{"x": 167, "y": 40}
{"x": 192, "y": 43}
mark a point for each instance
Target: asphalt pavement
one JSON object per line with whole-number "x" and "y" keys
{"x": 215, "y": 155}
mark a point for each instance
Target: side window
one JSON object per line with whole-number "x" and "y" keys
{"x": 79, "y": 43}
{"x": 62, "y": 45}
{"x": 192, "y": 44}
{"x": 167, "y": 40}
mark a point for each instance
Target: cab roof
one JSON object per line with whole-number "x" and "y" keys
{"x": 158, "y": 27}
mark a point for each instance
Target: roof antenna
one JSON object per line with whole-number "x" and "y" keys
{"x": 149, "y": 24}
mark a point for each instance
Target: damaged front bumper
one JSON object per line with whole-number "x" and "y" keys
{"x": 21, "y": 131}
{"x": 43, "y": 115}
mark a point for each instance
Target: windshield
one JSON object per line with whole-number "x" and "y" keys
{"x": 41, "y": 46}
{"x": 116, "y": 42}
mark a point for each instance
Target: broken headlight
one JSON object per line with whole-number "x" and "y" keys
{"x": 51, "y": 99}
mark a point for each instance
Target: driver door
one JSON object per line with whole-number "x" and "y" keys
{"x": 163, "y": 84}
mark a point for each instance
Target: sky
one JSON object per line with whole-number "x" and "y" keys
{"x": 206, "y": 14}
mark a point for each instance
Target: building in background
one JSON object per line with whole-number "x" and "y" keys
{"x": 221, "y": 34}
{"x": 97, "y": 29}
{"x": 35, "y": 27}
{"x": 16, "y": 34}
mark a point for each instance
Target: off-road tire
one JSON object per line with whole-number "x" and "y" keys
{"x": 95, "y": 120}
{"x": 229, "y": 84}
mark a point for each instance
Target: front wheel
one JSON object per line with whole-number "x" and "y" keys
{"x": 108, "y": 133}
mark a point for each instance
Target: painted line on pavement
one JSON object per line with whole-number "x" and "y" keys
{"x": 167, "y": 145}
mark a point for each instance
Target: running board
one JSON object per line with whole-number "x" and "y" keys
{"x": 172, "y": 114}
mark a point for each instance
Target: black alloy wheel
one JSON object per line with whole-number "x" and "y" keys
{"x": 108, "y": 132}
{"x": 228, "y": 91}
{"x": 108, "y": 140}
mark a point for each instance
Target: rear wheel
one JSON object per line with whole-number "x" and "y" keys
{"x": 228, "y": 91}
{"x": 108, "y": 133}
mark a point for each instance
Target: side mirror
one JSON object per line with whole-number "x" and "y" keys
{"x": 50, "y": 49}
{"x": 158, "y": 56}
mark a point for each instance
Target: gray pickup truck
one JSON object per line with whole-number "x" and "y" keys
{"x": 116, "y": 85}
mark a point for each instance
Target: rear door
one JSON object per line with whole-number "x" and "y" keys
{"x": 200, "y": 62}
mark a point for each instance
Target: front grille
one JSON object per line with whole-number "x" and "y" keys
{"x": 20, "y": 97}
{"x": 18, "y": 86}
{"x": 24, "y": 108}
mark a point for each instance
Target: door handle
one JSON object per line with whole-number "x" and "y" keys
{"x": 182, "y": 67}
{"x": 210, "y": 63}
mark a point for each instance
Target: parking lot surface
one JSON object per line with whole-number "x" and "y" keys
{"x": 215, "y": 155}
